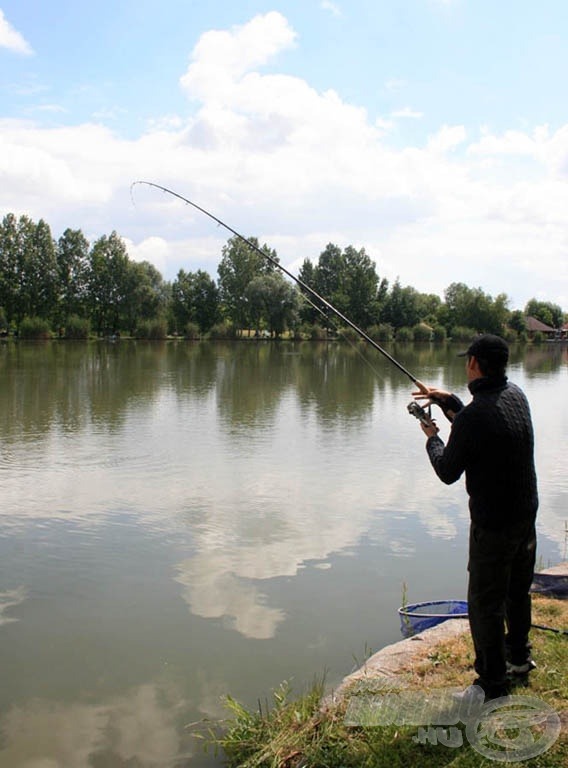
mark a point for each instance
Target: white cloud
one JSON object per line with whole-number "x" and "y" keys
{"x": 407, "y": 112}
{"x": 221, "y": 57}
{"x": 11, "y": 39}
{"x": 449, "y": 137}
{"x": 333, "y": 8}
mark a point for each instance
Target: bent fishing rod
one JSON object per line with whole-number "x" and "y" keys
{"x": 304, "y": 286}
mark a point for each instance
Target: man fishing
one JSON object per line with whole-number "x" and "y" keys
{"x": 492, "y": 441}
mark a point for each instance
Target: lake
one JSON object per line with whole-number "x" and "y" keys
{"x": 180, "y": 521}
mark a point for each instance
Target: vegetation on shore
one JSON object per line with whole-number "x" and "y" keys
{"x": 303, "y": 733}
{"x": 71, "y": 288}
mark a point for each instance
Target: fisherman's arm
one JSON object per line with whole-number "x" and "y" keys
{"x": 449, "y": 461}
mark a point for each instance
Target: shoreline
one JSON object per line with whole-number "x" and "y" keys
{"x": 388, "y": 663}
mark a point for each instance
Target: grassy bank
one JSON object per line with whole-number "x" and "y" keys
{"x": 300, "y": 733}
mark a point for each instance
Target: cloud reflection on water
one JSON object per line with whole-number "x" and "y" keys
{"x": 9, "y": 599}
{"x": 140, "y": 727}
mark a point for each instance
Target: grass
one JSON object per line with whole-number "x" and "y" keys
{"x": 301, "y": 733}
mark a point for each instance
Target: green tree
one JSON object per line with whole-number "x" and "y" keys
{"x": 205, "y": 301}
{"x": 195, "y": 299}
{"x": 330, "y": 277}
{"x": 361, "y": 287}
{"x": 107, "y": 283}
{"x": 429, "y": 305}
{"x": 306, "y": 275}
{"x": 10, "y": 267}
{"x": 41, "y": 272}
{"x": 471, "y": 307}
{"x": 273, "y": 302}
{"x": 517, "y": 321}
{"x": 546, "y": 312}
{"x": 401, "y": 306}
{"x": 72, "y": 257}
{"x": 27, "y": 269}
{"x": 181, "y": 300}
{"x": 238, "y": 266}
{"x": 147, "y": 294}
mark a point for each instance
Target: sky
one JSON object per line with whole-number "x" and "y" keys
{"x": 432, "y": 133}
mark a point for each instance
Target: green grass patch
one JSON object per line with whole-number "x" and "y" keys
{"x": 302, "y": 733}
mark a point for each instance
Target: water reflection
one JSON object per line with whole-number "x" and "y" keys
{"x": 8, "y": 599}
{"x": 140, "y": 727}
{"x": 227, "y": 511}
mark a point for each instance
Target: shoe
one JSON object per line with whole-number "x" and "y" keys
{"x": 520, "y": 669}
{"x": 475, "y": 695}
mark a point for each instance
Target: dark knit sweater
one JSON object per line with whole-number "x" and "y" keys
{"x": 492, "y": 441}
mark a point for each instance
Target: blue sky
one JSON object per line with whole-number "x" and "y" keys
{"x": 434, "y": 133}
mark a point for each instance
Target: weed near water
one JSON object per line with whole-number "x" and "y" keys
{"x": 302, "y": 733}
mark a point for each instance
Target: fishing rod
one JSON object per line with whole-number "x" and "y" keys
{"x": 304, "y": 286}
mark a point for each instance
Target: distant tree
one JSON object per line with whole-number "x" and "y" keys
{"x": 205, "y": 301}
{"x": 401, "y": 306}
{"x": 181, "y": 300}
{"x": 27, "y": 269}
{"x": 361, "y": 287}
{"x": 517, "y": 321}
{"x": 41, "y": 272}
{"x": 107, "y": 283}
{"x": 306, "y": 274}
{"x": 471, "y": 307}
{"x": 238, "y": 266}
{"x": 546, "y": 312}
{"x": 195, "y": 299}
{"x": 72, "y": 258}
{"x": 273, "y": 302}
{"x": 429, "y": 305}
{"x": 330, "y": 277}
{"x": 10, "y": 267}
{"x": 146, "y": 296}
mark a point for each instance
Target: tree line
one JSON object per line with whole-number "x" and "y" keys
{"x": 70, "y": 287}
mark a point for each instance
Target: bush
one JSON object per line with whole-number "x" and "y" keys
{"x": 77, "y": 327}
{"x": 538, "y": 337}
{"x": 349, "y": 334}
{"x": 222, "y": 331}
{"x": 439, "y": 333}
{"x": 404, "y": 334}
{"x": 317, "y": 333}
{"x": 510, "y": 335}
{"x": 154, "y": 330}
{"x": 34, "y": 328}
{"x": 192, "y": 332}
{"x": 422, "y": 332}
{"x": 382, "y": 332}
{"x": 461, "y": 333}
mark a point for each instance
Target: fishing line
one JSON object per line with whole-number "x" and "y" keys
{"x": 304, "y": 286}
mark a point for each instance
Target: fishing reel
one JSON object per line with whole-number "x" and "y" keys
{"x": 422, "y": 414}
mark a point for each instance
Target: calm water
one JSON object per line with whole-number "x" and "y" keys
{"x": 181, "y": 521}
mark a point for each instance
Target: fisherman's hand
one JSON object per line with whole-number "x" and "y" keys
{"x": 432, "y": 395}
{"x": 430, "y": 430}
{"x": 448, "y": 402}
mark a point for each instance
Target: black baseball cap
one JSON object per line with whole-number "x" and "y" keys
{"x": 488, "y": 347}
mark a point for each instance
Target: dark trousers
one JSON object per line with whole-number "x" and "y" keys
{"x": 501, "y": 569}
